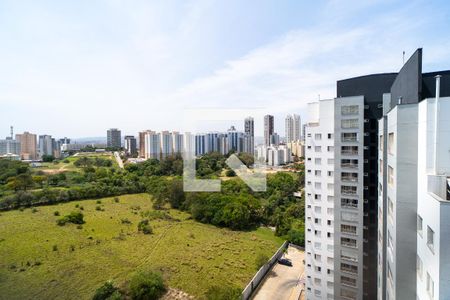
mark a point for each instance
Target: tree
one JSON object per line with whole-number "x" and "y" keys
{"x": 48, "y": 158}
{"x": 147, "y": 285}
{"x": 107, "y": 291}
{"x": 20, "y": 182}
{"x": 176, "y": 196}
{"x": 39, "y": 180}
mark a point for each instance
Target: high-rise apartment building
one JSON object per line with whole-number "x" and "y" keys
{"x": 235, "y": 140}
{"x": 28, "y": 145}
{"x": 46, "y": 145}
{"x": 413, "y": 193}
{"x": 249, "y": 135}
{"x": 200, "y": 144}
{"x": 177, "y": 142}
{"x": 142, "y": 143}
{"x": 166, "y": 144}
{"x": 130, "y": 145}
{"x": 113, "y": 138}
{"x": 268, "y": 129}
{"x": 9, "y": 145}
{"x": 351, "y": 191}
{"x": 189, "y": 145}
{"x": 212, "y": 142}
{"x": 152, "y": 145}
{"x": 292, "y": 128}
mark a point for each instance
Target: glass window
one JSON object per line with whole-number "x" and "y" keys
{"x": 349, "y": 110}
{"x": 430, "y": 286}
{"x": 430, "y": 238}
{"x": 390, "y": 175}
{"x": 349, "y": 123}
{"x": 349, "y": 137}
{"x": 419, "y": 267}
{"x": 419, "y": 225}
{"x": 391, "y": 148}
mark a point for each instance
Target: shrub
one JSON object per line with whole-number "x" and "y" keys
{"x": 223, "y": 293}
{"x": 56, "y": 213}
{"x": 261, "y": 260}
{"x": 55, "y": 247}
{"x": 116, "y": 199}
{"x": 230, "y": 173}
{"x": 145, "y": 227}
{"x": 147, "y": 285}
{"x": 34, "y": 210}
{"x": 73, "y": 217}
{"x": 98, "y": 207}
{"x": 125, "y": 221}
{"x": 107, "y": 291}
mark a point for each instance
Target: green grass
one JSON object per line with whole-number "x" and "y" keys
{"x": 191, "y": 255}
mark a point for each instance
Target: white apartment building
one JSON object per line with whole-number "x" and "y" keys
{"x": 292, "y": 128}
{"x": 319, "y": 202}
{"x": 414, "y": 202}
{"x": 278, "y": 155}
{"x": 177, "y": 142}
{"x": 166, "y": 144}
{"x": 152, "y": 145}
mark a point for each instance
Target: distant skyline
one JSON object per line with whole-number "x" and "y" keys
{"x": 76, "y": 69}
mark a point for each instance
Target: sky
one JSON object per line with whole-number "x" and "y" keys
{"x": 77, "y": 68}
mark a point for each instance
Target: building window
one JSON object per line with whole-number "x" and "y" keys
{"x": 381, "y": 143}
{"x": 391, "y": 147}
{"x": 430, "y": 286}
{"x": 349, "y": 137}
{"x": 349, "y": 110}
{"x": 390, "y": 208}
{"x": 381, "y": 167}
{"x": 318, "y": 185}
{"x": 318, "y": 161}
{"x": 390, "y": 176}
{"x": 419, "y": 225}
{"x": 317, "y": 197}
{"x": 330, "y": 136}
{"x": 349, "y": 203}
{"x": 430, "y": 238}
{"x": 330, "y": 148}
{"x": 347, "y": 242}
{"x": 349, "y": 268}
{"x": 419, "y": 267}
{"x": 330, "y": 161}
{"x": 349, "y": 229}
{"x": 348, "y": 281}
{"x": 318, "y": 136}
{"x": 349, "y": 163}
{"x": 349, "y": 123}
{"x": 349, "y": 150}
{"x": 318, "y": 149}
{"x": 349, "y": 177}
{"x": 348, "y": 190}
{"x": 318, "y": 173}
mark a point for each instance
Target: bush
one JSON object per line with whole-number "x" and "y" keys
{"x": 230, "y": 173}
{"x": 73, "y": 217}
{"x": 56, "y": 213}
{"x": 107, "y": 291}
{"x": 145, "y": 227}
{"x": 147, "y": 285}
{"x": 261, "y": 260}
{"x": 223, "y": 293}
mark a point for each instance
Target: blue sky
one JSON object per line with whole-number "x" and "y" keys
{"x": 77, "y": 68}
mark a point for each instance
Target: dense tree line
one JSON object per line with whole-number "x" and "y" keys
{"x": 236, "y": 206}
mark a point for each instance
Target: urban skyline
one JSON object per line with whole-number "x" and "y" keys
{"x": 279, "y": 68}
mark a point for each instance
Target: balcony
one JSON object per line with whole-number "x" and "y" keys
{"x": 349, "y": 258}
{"x": 349, "y": 165}
{"x": 349, "y": 269}
{"x": 349, "y": 177}
{"x": 348, "y": 243}
{"x": 349, "y": 152}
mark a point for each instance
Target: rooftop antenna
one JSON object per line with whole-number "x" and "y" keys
{"x": 12, "y": 132}
{"x": 403, "y": 57}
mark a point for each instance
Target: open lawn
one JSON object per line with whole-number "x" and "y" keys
{"x": 41, "y": 260}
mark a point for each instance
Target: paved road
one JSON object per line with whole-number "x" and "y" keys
{"x": 118, "y": 159}
{"x": 282, "y": 282}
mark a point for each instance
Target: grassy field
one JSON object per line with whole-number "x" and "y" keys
{"x": 191, "y": 255}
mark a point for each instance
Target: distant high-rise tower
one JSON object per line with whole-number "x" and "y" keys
{"x": 293, "y": 128}
{"x": 113, "y": 138}
{"x": 249, "y": 137}
{"x": 130, "y": 145}
{"x": 28, "y": 145}
{"x": 268, "y": 128}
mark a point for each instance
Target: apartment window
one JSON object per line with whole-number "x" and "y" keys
{"x": 349, "y": 268}
{"x": 330, "y": 161}
{"x": 349, "y": 150}
{"x": 317, "y": 197}
{"x": 348, "y": 242}
{"x": 391, "y": 148}
{"x": 317, "y": 293}
{"x": 349, "y": 177}
{"x": 308, "y": 135}
{"x": 329, "y": 222}
{"x": 318, "y": 173}
{"x": 329, "y": 235}
{"x": 318, "y": 233}
{"x": 317, "y": 257}
{"x": 419, "y": 225}
{"x": 330, "y": 173}
{"x": 430, "y": 286}
{"x": 349, "y": 123}
{"x": 347, "y": 294}
{"x": 317, "y": 281}
{"x": 330, "y": 136}
{"x": 329, "y": 210}
{"x": 318, "y": 136}
{"x": 318, "y": 161}
{"x": 349, "y": 216}
{"x": 390, "y": 208}
{"x": 319, "y": 269}
{"x": 330, "y": 148}
{"x": 330, "y": 186}
{"x": 330, "y": 198}
{"x": 348, "y": 190}
{"x": 348, "y": 281}
{"x": 349, "y": 229}
{"x": 349, "y": 137}
{"x": 430, "y": 238}
{"x": 381, "y": 143}
{"x": 317, "y": 221}
{"x": 349, "y": 110}
{"x": 349, "y": 163}
{"x": 318, "y": 148}
{"x": 317, "y": 209}
{"x": 318, "y": 185}
{"x": 349, "y": 203}
{"x": 390, "y": 176}
{"x": 381, "y": 167}
{"x": 419, "y": 267}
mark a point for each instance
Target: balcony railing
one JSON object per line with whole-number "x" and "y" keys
{"x": 349, "y": 139}
{"x": 349, "y": 152}
{"x": 349, "y": 270}
{"x": 349, "y": 258}
{"x": 349, "y": 179}
{"x": 348, "y": 244}
{"x": 350, "y": 166}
